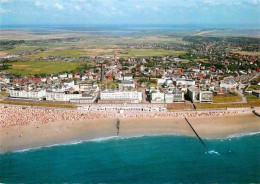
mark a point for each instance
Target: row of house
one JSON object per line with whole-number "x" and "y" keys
{"x": 121, "y": 96}
{"x": 157, "y": 96}
{"x": 53, "y": 96}
{"x": 200, "y": 96}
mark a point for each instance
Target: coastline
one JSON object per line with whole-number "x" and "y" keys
{"x": 35, "y": 135}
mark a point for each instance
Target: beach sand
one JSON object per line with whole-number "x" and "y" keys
{"x": 38, "y": 135}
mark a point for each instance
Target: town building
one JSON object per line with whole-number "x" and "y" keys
{"x": 126, "y": 84}
{"x": 17, "y": 93}
{"x": 61, "y": 96}
{"x": 193, "y": 93}
{"x": 157, "y": 97}
{"x": 228, "y": 83}
{"x": 86, "y": 98}
{"x": 121, "y": 96}
{"x": 256, "y": 93}
{"x": 185, "y": 82}
{"x": 128, "y": 77}
{"x": 205, "y": 96}
{"x": 199, "y": 96}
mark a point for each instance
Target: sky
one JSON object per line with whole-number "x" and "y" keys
{"x": 138, "y": 12}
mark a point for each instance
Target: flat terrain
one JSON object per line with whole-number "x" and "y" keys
{"x": 226, "y": 98}
{"x": 76, "y": 53}
{"x": 150, "y": 52}
{"x": 253, "y": 53}
{"x": 252, "y": 101}
{"x": 89, "y": 44}
{"x": 42, "y": 67}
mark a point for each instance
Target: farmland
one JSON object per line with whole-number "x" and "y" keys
{"x": 41, "y": 67}
{"x": 226, "y": 98}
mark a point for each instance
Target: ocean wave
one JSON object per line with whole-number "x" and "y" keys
{"x": 104, "y": 139}
{"x": 67, "y": 144}
{"x": 101, "y": 139}
{"x": 242, "y": 135}
{"x": 212, "y": 152}
{"x": 233, "y": 136}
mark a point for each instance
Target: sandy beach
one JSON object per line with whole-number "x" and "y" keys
{"x": 214, "y": 125}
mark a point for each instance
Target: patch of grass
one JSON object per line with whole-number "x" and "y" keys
{"x": 41, "y": 67}
{"x": 221, "y": 106}
{"x": 254, "y": 87}
{"x": 252, "y": 101}
{"x": 39, "y": 104}
{"x": 75, "y": 53}
{"x": 201, "y": 60}
{"x": 253, "y": 53}
{"x": 3, "y": 94}
{"x": 149, "y": 52}
{"x": 109, "y": 84}
{"x": 226, "y": 98}
{"x": 23, "y": 48}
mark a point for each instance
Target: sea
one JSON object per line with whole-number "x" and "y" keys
{"x": 144, "y": 159}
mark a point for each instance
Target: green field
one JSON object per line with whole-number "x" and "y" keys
{"x": 42, "y": 67}
{"x": 149, "y": 53}
{"x": 252, "y": 53}
{"x": 252, "y": 101}
{"x": 252, "y": 88}
{"x": 23, "y": 48}
{"x": 66, "y": 53}
{"x": 40, "y": 104}
{"x": 226, "y": 98}
{"x": 109, "y": 52}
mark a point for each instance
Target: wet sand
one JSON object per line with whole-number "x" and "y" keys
{"x": 38, "y": 135}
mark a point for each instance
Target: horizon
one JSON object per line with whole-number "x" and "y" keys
{"x": 127, "y": 26}
{"x": 201, "y": 13}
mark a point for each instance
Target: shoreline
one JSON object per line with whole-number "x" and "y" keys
{"x": 131, "y": 137}
{"x": 34, "y": 135}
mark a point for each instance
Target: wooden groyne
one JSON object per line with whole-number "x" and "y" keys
{"x": 196, "y": 134}
{"x": 117, "y": 126}
{"x": 256, "y": 113}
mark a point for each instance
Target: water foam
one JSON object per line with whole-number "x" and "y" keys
{"x": 242, "y": 135}
{"x": 212, "y": 152}
{"x": 103, "y": 139}
{"x": 233, "y": 136}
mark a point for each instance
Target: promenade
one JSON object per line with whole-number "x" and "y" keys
{"x": 18, "y": 115}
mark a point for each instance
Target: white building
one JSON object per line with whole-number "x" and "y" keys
{"x": 63, "y": 76}
{"x": 256, "y": 93}
{"x": 27, "y": 94}
{"x": 61, "y": 96}
{"x": 126, "y": 84}
{"x": 128, "y": 77}
{"x": 174, "y": 96}
{"x": 131, "y": 96}
{"x": 206, "y": 96}
{"x": 228, "y": 84}
{"x": 197, "y": 95}
{"x": 168, "y": 82}
{"x": 193, "y": 93}
{"x": 185, "y": 82}
{"x": 161, "y": 81}
{"x": 69, "y": 84}
{"x": 157, "y": 97}
{"x": 168, "y": 98}
{"x": 86, "y": 98}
